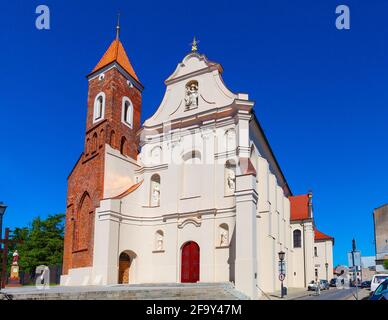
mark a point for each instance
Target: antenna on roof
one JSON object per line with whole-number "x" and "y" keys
{"x": 118, "y": 27}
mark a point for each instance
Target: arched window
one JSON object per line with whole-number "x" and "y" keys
{"x": 223, "y": 235}
{"x": 230, "y": 177}
{"x": 155, "y": 191}
{"x": 99, "y": 107}
{"x": 191, "y": 178}
{"x": 127, "y": 112}
{"x": 159, "y": 240}
{"x": 297, "y": 238}
{"x": 123, "y": 146}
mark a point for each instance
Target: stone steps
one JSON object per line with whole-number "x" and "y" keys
{"x": 223, "y": 291}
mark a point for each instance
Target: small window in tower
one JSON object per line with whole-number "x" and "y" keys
{"x": 127, "y": 112}
{"x": 99, "y": 107}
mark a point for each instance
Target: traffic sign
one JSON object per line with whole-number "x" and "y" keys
{"x": 357, "y": 259}
{"x": 282, "y": 276}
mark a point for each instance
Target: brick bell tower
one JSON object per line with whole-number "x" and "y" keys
{"x": 113, "y": 118}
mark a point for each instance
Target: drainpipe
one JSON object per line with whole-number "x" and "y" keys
{"x": 304, "y": 256}
{"x": 310, "y": 216}
{"x": 118, "y": 246}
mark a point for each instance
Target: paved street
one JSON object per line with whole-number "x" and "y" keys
{"x": 337, "y": 294}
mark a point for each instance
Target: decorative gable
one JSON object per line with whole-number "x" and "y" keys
{"x": 195, "y": 86}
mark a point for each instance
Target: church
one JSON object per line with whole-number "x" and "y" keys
{"x": 194, "y": 194}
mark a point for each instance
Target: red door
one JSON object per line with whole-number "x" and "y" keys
{"x": 190, "y": 262}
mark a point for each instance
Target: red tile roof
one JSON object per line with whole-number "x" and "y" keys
{"x": 299, "y": 207}
{"x": 318, "y": 235}
{"x": 116, "y": 52}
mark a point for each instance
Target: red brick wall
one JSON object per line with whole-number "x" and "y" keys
{"x": 88, "y": 174}
{"x": 115, "y": 87}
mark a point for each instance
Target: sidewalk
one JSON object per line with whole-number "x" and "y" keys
{"x": 363, "y": 294}
{"x": 293, "y": 293}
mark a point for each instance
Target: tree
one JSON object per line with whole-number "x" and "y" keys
{"x": 42, "y": 243}
{"x": 385, "y": 263}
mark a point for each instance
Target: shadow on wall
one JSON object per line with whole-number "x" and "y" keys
{"x": 232, "y": 256}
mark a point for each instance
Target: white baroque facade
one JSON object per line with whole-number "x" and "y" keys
{"x": 205, "y": 200}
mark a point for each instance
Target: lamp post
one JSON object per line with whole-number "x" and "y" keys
{"x": 327, "y": 271}
{"x": 281, "y": 276}
{"x": 3, "y": 207}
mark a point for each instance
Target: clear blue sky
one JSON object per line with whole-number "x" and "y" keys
{"x": 321, "y": 94}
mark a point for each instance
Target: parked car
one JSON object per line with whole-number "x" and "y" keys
{"x": 365, "y": 284}
{"x": 376, "y": 280}
{"x": 333, "y": 282}
{"x": 323, "y": 285}
{"x": 381, "y": 292}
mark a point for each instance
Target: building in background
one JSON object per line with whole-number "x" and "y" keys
{"x": 368, "y": 267}
{"x": 312, "y": 249}
{"x": 380, "y": 219}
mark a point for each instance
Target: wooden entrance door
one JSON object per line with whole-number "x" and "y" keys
{"x": 124, "y": 264}
{"x": 190, "y": 262}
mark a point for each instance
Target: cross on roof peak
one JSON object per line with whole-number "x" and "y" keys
{"x": 194, "y": 45}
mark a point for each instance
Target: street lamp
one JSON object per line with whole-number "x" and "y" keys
{"x": 281, "y": 276}
{"x": 327, "y": 272}
{"x": 281, "y": 255}
{"x": 3, "y": 207}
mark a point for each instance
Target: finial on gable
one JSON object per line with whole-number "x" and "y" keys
{"x": 194, "y": 45}
{"x": 118, "y": 27}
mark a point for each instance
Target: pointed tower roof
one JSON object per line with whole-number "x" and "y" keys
{"x": 116, "y": 53}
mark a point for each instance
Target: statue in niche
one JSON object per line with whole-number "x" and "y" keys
{"x": 231, "y": 179}
{"x": 191, "y": 98}
{"x": 159, "y": 242}
{"x": 155, "y": 194}
{"x": 224, "y": 237}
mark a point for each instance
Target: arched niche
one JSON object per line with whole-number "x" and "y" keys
{"x": 223, "y": 235}
{"x": 159, "y": 240}
{"x": 230, "y": 177}
{"x": 155, "y": 190}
